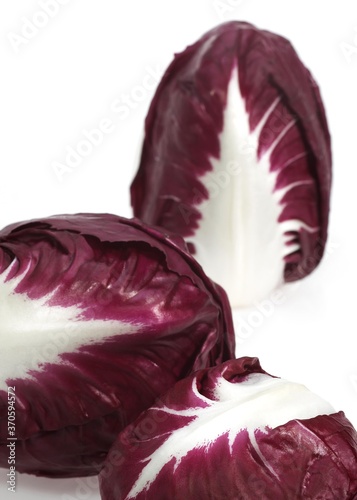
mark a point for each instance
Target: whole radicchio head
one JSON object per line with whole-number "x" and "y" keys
{"x": 98, "y": 316}
{"x": 234, "y": 432}
{"x": 237, "y": 159}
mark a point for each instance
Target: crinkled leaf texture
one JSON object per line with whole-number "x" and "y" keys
{"x": 234, "y": 432}
{"x": 237, "y": 159}
{"x": 98, "y": 316}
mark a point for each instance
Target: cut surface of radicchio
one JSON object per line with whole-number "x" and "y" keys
{"x": 98, "y": 316}
{"x": 234, "y": 432}
{"x": 237, "y": 159}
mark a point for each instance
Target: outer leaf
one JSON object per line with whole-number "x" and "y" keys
{"x": 234, "y": 432}
{"x": 98, "y": 316}
{"x": 237, "y": 159}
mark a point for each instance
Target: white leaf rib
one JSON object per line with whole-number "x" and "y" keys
{"x": 32, "y": 332}
{"x": 282, "y": 401}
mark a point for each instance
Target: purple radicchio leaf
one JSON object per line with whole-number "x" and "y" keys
{"x": 98, "y": 316}
{"x": 237, "y": 159}
{"x": 234, "y": 432}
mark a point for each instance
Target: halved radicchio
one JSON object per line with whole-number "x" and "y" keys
{"x": 237, "y": 160}
{"x": 98, "y": 316}
{"x": 234, "y": 432}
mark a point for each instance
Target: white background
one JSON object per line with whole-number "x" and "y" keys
{"x": 87, "y": 59}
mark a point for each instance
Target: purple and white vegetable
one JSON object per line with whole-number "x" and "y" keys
{"x": 237, "y": 159}
{"x": 98, "y": 316}
{"x": 234, "y": 432}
